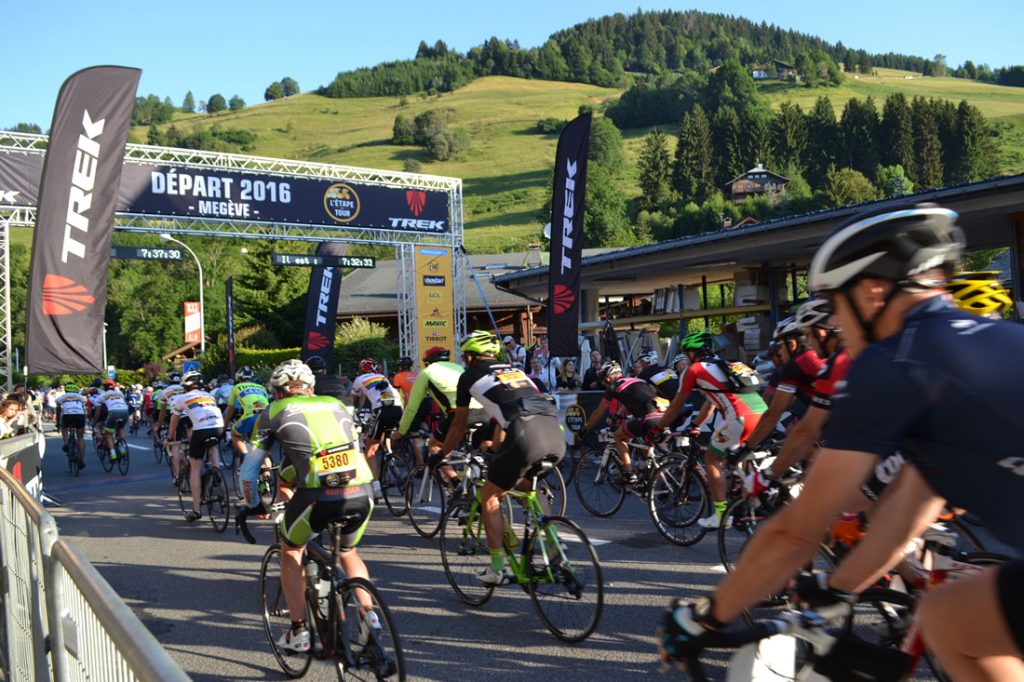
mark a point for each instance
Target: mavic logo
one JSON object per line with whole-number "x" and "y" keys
{"x": 564, "y": 298}
{"x": 316, "y": 341}
{"x": 1014, "y": 464}
{"x": 9, "y": 196}
{"x": 417, "y": 200}
{"x": 63, "y": 296}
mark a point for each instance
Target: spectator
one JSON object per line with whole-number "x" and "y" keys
{"x": 516, "y": 353}
{"x": 569, "y": 378}
{"x": 25, "y": 398}
{"x": 541, "y": 375}
{"x": 10, "y": 411}
{"x": 590, "y": 380}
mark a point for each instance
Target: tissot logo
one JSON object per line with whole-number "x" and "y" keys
{"x": 63, "y": 296}
{"x": 316, "y": 341}
{"x": 564, "y": 298}
{"x": 417, "y": 200}
{"x": 433, "y": 280}
{"x": 9, "y": 196}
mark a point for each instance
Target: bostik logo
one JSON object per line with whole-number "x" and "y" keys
{"x": 417, "y": 201}
{"x": 63, "y": 296}
{"x": 570, "y": 196}
{"x": 564, "y": 298}
{"x": 325, "y": 296}
{"x": 83, "y": 177}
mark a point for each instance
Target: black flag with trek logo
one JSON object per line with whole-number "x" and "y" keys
{"x": 67, "y": 291}
{"x": 322, "y": 306}
{"x": 567, "y": 237}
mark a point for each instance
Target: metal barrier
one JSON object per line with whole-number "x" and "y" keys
{"x": 61, "y": 620}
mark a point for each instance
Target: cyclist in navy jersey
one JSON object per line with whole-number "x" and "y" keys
{"x": 922, "y": 370}
{"x": 665, "y": 381}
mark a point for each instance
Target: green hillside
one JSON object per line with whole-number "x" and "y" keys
{"x": 506, "y": 169}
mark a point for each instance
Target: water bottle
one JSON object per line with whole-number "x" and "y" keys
{"x": 312, "y": 574}
{"x": 509, "y": 537}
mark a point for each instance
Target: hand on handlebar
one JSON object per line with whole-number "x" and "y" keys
{"x": 812, "y": 590}
{"x": 680, "y": 634}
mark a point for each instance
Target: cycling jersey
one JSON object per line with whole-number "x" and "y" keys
{"x": 163, "y": 400}
{"x": 252, "y": 398}
{"x": 935, "y": 392}
{"x": 114, "y": 400}
{"x": 504, "y": 391}
{"x": 222, "y": 394}
{"x": 631, "y": 395}
{"x": 832, "y": 372}
{"x": 665, "y": 381}
{"x": 439, "y": 381}
{"x": 318, "y": 439}
{"x": 377, "y": 389}
{"x": 797, "y": 376}
{"x": 709, "y": 378}
{"x": 404, "y": 381}
{"x": 71, "y": 403}
{"x": 200, "y": 407}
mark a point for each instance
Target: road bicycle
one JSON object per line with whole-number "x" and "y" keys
{"x": 159, "y": 450}
{"x": 213, "y": 497}
{"x": 72, "y": 451}
{"x": 394, "y": 472}
{"x": 122, "y": 456}
{"x": 556, "y": 565}
{"x": 349, "y": 621}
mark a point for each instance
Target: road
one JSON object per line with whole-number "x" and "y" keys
{"x": 197, "y": 592}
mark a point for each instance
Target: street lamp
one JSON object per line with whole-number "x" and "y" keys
{"x": 202, "y": 308}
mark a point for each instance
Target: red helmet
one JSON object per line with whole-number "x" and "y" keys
{"x": 109, "y": 384}
{"x": 367, "y": 365}
{"x": 436, "y": 354}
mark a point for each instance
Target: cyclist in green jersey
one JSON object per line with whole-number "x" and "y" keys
{"x": 323, "y": 477}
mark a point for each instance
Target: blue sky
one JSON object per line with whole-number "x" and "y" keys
{"x": 230, "y": 47}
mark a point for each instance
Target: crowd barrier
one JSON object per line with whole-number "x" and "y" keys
{"x": 60, "y": 620}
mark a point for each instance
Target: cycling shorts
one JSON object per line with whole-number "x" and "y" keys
{"x": 528, "y": 440}
{"x": 243, "y": 427}
{"x": 1010, "y": 585}
{"x": 732, "y": 432}
{"x": 116, "y": 419}
{"x": 184, "y": 424}
{"x": 73, "y": 421}
{"x": 309, "y": 511}
{"x": 383, "y": 420}
{"x": 197, "y": 444}
{"x": 643, "y": 428}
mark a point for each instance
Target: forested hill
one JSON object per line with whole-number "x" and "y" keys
{"x": 604, "y": 51}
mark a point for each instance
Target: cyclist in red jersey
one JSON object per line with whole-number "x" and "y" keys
{"x": 741, "y": 412}
{"x": 800, "y": 368}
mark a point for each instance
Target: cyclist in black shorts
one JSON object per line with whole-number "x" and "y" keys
{"x": 526, "y": 427}
{"x": 207, "y": 423}
{"x": 324, "y": 476}
{"x": 921, "y": 371}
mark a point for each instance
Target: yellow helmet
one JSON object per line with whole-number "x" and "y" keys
{"x": 980, "y": 293}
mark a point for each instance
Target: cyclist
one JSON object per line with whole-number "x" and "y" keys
{"x": 111, "y": 401}
{"x": 627, "y": 397}
{"x": 921, "y": 370}
{"x": 324, "y": 476}
{"x": 372, "y": 387}
{"x": 207, "y": 422}
{"x": 741, "y": 412}
{"x": 133, "y": 396}
{"x": 664, "y": 380}
{"x": 328, "y": 384}
{"x": 439, "y": 379}
{"x": 527, "y": 431}
{"x": 223, "y": 391}
{"x": 404, "y": 378}
{"x": 71, "y": 415}
{"x": 980, "y": 293}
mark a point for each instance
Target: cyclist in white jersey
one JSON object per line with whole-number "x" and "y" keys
{"x": 71, "y": 415}
{"x": 385, "y": 404}
{"x": 117, "y": 413}
{"x": 207, "y": 422}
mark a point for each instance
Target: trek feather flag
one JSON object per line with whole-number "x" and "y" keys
{"x": 67, "y": 291}
{"x": 567, "y": 237}
{"x": 322, "y": 306}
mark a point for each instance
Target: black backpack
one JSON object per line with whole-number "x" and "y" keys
{"x": 739, "y": 377}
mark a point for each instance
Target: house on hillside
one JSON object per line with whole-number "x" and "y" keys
{"x": 776, "y": 69}
{"x": 757, "y": 180}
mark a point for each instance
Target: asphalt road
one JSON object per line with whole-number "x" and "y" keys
{"x": 196, "y": 590}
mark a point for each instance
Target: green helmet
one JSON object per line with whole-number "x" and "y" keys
{"x": 481, "y": 343}
{"x": 71, "y": 388}
{"x": 697, "y": 341}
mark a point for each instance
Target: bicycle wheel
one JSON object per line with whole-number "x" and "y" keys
{"x": 551, "y": 487}
{"x": 104, "y": 454}
{"x": 217, "y": 500}
{"x": 425, "y": 499}
{"x": 677, "y": 497}
{"x": 184, "y": 488}
{"x": 565, "y": 579}
{"x": 464, "y": 554}
{"x": 601, "y": 489}
{"x": 394, "y": 473}
{"x": 123, "y": 462}
{"x": 365, "y": 640}
{"x": 276, "y": 619}
{"x": 227, "y": 453}
{"x": 742, "y": 517}
{"x": 73, "y": 457}
{"x": 567, "y": 465}
{"x": 158, "y": 451}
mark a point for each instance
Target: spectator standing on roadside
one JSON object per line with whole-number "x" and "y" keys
{"x": 569, "y": 378}
{"x": 590, "y": 380}
{"x": 516, "y": 353}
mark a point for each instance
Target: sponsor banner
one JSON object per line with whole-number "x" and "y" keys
{"x": 75, "y": 221}
{"x": 567, "y": 237}
{"x": 575, "y": 418}
{"x": 230, "y": 302}
{"x": 193, "y": 322}
{"x": 180, "y": 191}
{"x": 322, "y": 306}
{"x": 435, "y": 303}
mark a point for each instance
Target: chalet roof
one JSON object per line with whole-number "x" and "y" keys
{"x": 180, "y": 352}
{"x": 758, "y": 169}
{"x": 782, "y": 64}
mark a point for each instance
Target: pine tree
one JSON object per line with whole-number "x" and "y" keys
{"x": 928, "y": 166}
{"x": 858, "y": 132}
{"x": 822, "y": 132}
{"x": 189, "y": 105}
{"x": 693, "y": 174}
{"x": 896, "y": 132}
{"x": 655, "y": 166}
{"x": 974, "y": 153}
{"x": 757, "y": 140}
{"x": 789, "y": 133}
{"x": 726, "y": 141}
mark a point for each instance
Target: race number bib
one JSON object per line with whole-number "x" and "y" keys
{"x": 513, "y": 378}
{"x": 336, "y": 466}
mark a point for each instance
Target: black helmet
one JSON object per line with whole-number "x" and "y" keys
{"x": 903, "y": 246}
{"x": 317, "y": 364}
{"x": 97, "y": 382}
{"x": 404, "y": 363}
{"x": 245, "y": 373}
{"x": 174, "y": 377}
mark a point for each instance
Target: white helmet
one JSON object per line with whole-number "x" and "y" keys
{"x": 786, "y": 327}
{"x": 649, "y": 356}
{"x": 292, "y": 372}
{"x": 815, "y": 313}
